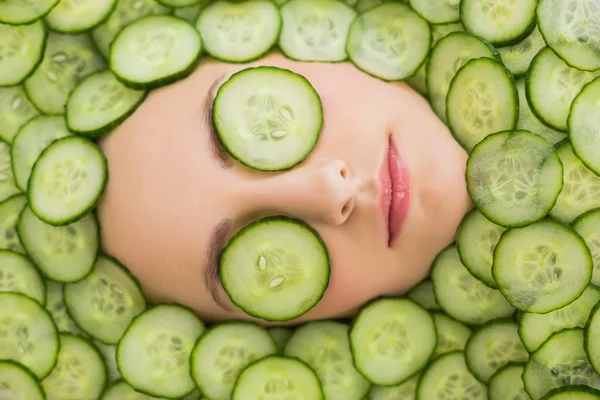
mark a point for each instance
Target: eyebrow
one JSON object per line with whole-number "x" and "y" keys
{"x": 218, "y": 151}
{"x": 213, "y": 269}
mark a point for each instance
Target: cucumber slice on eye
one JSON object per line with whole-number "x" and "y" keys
{"x": 389, "y": 41}
{"x": 542, "y": 267}
{"x": 292, "y": 378}
{"x": 27, "y": 334}
{"x": 74, "y": 16}
{"x": 100, "y": 103}
{"x": 572, "y": 29}
{"x": 588, "y": 226}
{"x": 223, "y": 352}
{"x": 507, "y": 384}
{"x": 315, "y": 30}
{"x": 19, "y": 275}
{"x": 268, "y": 118}
{"x": 275, "y": 269}
{"x": 482, "y": 100}
{"x": 391, "y": 340}
{"x": 155, "y": 51}
{"x": 17, "y": 382}
{"x": 15, "y": 111}
{"x": 239, "y": 32}
{"x": 19, "y": 12}
{"x": 584, "y": 125}
{"x": 514, "y": 178}
{"x": 21, "y": 50}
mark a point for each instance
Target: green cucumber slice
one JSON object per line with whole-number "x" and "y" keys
{"x": 19, "y": 275}
{"x": 281, "y": 336}
{"x": 518, "y": 57}
{"x": 573, "y": 392}
{"x": 17, "y": 382}
{"x": 179, "y": 3}
{"x": 391, "y": 340}
{"x": 21, "y": 51}
{"x": 62, "y": 253}
{"x": 191, "y": 13}
{"x": 325, "y": 347}
{"x": 155, "y": 51}
{"x": 120, "y": 390}
{"x": 19, "y": 12}
{"x": 57, "y": 309}
{"x": 30, "y": 141}
{"x": 587, "y": 225}
{"x": 109, "y": 353}
{"x": 8, "y": 186}
{"x": 423, "y": 295}
{"x": 153, "y": 354}
{"x": 592, "y": 336}
{"x": 437, "y": 12}
{"x": 535, "y": 329}
{"x": 100, "y": 103}
{"x": 572, "y": 29}
{"x": 315, "y": 30}
{"x": 15, "y": 110}
{"x": 452, "y": 335}
{"x": 67, "y": 181}
{"x": 442, "y": 30}
{"x": 507, "y": 383}
{"x": 268, "y": 118}
{"x": 404, "y": 391}
{"x": 462, "y": 296}
{"x": 482, "y": 100}
{"x": 542, "y": 267}
{"x": 27, "y": 334}
{"x": 514, "y": 178}
{"x": 584, "y": 125}
{"x": 239, "y": 32}
{"x": 10, "y": 210}
{"x": 80, "y": 372}
{"x": 389, "y": 41}
{"x": 75, "y": 16}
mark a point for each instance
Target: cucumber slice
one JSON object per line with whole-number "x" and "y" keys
{"x": 67, "y": 60}
{"x": 581, "y": 188}
{"x": 514, "y": 178}
{"x": 449, "y": 55}
{"x": 19, "y": 12}
{"x": 10, "y": 209}
{"x": 437, "y": 12}
{"x": 120, "y": 390}
{"x": 364, "y": 5}
{"x": 452, "y": 335}
{"x": 30, "y": 141}
{"x": 17, "y": 382}
{"x": 507, "y": 384}
{"x": 518, "y": 57}
{"x": 560, "y": 361}
{"x": 223, "y": 352}
{"x": 125, "y": 13}
{"x": 447, "y": 377}
{"x": 153, "y": 354}
{"x": 109, "y": 353}
{"x": 239, "y": 32}
{"x": 419, "y": 80}
{"x": 584, "y": 125}
{"x": 67, "y": 181}
{"x": 404, "y": 391}
{"x": 268, "y": 118}
{"x": 440, "y": 31}
{"x": 191, "y": 13}
{"x": 57, "y": 309}
{"x": 529, "y": 122}
{"x": 502, "y": 23}
{"x": 423, "y": 295}
{"x": 552, "y": 86}
{"x": 275, "y": 269}
{"x": 315, "y": 30}
{"x": 535, "y": 329}
{"x": 15, "y": 111}
{"x": 542, "y": 267}
{"x": 462, "y": 296}
{"x": 592, "y": 337}
{"x": 106, "y": 301}
{"x": 27, "y": 334}
{"x": 281, "y": 336}
{"x": 100, "y": 103}
{"x": 391, "y": 340}
{"x": 8, "y": 186}
{"x": 482, "y": 99}
{"x": 572, "y": 29}
{"x": 19, "y": 275}
{"x": 476, "y": 240}
{"x": 80, "y": 372}
{"x": 573, "y": 392}
{"x": 389, "y": 41}
{"x": 492, "y": 346}
{"x": 325, "y": 347}
{"x": 291, "y": 377}
{"x": 588, "y": 226}
{"x": 179, "y": 3}
{"x": 21, "y": 50}
{"x": 63, "y": 253}
{"x": 155, "y": 51}
{"x": 75, "y": 16}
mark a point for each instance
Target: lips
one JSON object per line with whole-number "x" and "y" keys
{"x": 395, "y": 193}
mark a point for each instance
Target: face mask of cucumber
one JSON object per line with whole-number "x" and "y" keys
{"x": 195, "y": 194}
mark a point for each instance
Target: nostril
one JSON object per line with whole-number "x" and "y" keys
{"x": 343, "y": 172}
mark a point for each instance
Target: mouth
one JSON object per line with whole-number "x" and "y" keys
{"x": 395, "y": 193}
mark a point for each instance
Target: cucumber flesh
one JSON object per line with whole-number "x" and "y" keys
{"x": 10, "y": 210}
{"x": 437, "y": 12}
{"x": 109, "y": 353}
{"x": 17, "y": 382}
{"x": 8, "y": 185}
{"x": 507, "y": 383}
{"x": 404, "y": 391}
{"x": 18, "y": 12}
{"x": 573, "y": 392}
{"x": 592, "y": 332}
{"x": 452, "y": 335}
{"x": 15, "y": 111}
{"x": 21, "y": 50}
{"x": 588, "y": 226}
{"x": 584, "y": 125}
{"x": 19, "y": 275}
{"x": 518, "y": 57}
{"x": 57, "y": 309}
{"x": 120, "y": 390}
{"x": 74, "y": 16}
{"x": 423, "y": 295}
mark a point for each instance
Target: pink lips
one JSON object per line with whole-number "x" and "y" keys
{"x": 395, "y": 193}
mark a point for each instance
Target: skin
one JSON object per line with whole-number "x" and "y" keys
{"x": 167, "y": 190}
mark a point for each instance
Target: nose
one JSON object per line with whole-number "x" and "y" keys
{"x": 319, "y": 192}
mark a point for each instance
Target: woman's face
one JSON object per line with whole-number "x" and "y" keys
{"x": 175, "y": 198}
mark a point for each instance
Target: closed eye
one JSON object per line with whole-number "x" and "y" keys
{"x": 218, "y": 151}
